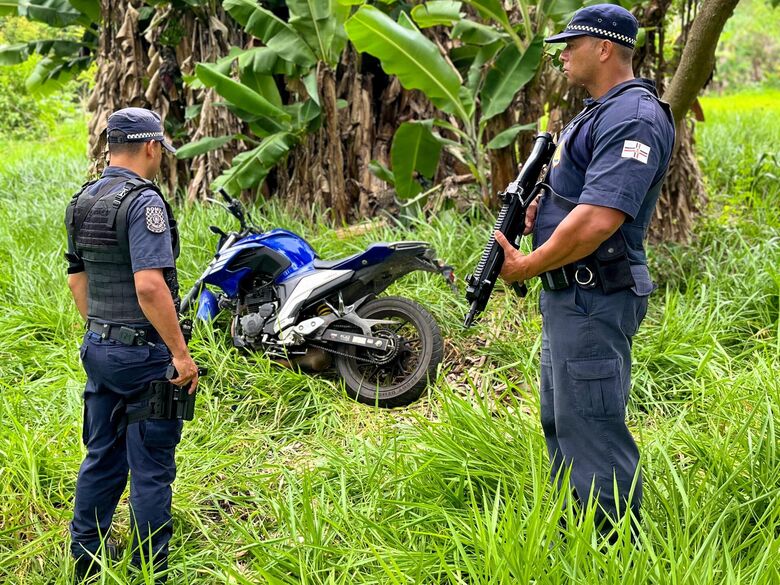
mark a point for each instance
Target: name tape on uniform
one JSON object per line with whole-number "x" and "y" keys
{"x": 636, "y": 150}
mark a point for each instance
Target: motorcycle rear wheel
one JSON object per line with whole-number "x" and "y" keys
{"x": 418, "y": 352}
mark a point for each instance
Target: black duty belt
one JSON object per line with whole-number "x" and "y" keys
{"x": 581, "y": 273}
{"x": 123, "y": 333}
{"x": 607, "y": 267}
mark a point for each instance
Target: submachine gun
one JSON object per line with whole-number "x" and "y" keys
{"x": 511, "y": 221}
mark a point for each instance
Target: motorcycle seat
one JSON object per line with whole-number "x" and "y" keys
{"x": 330, "y": 264}
{"x": 375, "y": 253}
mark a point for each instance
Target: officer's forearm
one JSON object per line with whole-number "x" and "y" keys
{"x": 578, "y": 235}
{"x": 154, "y": 297}
{"x": 78, "y": 288}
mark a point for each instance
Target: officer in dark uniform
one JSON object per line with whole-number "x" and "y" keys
{"x": 122, "y": 246}
{"x": 588, "y": 226}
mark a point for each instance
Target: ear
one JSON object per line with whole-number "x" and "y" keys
{"x": 606, "y": 49}
{"x": 149, "y": 149}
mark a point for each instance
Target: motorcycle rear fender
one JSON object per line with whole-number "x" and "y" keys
{"x": 375, "y": 279}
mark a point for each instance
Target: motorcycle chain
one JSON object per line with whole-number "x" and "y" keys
{"x": 354, "y": 357}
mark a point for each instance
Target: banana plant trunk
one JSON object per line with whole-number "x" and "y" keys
{"x": 327, "y": 174}
{"x": 142, "y": 58}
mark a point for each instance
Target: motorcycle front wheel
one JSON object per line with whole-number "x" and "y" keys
{"x": 398, "y": 376}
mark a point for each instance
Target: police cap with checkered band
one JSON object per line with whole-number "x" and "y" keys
{"x": 604, "y": 21}
{"x": 136, "y": 125}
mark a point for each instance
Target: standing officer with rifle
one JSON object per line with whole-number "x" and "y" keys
{"x": 122, "y": 246}
{"x": 589, "y": 224}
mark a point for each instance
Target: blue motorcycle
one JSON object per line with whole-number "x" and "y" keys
{"x": 302, "y": 311}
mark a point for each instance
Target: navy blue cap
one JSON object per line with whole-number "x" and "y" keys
{"x": 605, "y": 21}
{"x": 136, "y": 125}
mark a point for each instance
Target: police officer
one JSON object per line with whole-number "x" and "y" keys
{"x": 589, "y": 225}
{"x": 122, "y": 246}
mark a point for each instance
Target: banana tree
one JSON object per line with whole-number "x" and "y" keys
{"x": 305, "y": 49}
{"x": 488, "y": 63}
{"x": 62, "y": 58}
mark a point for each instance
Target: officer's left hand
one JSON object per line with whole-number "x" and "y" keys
{"x": 513, "y": 269}
{"x": 187, "y": 372}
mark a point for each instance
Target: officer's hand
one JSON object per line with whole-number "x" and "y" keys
{"x": 513, "y": 269}
{"x": 187, "y": 372}
{"x": 530, "y": 216}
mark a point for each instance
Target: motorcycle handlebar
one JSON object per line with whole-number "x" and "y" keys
{"x": 236, "y": 209}
{"x": 225, "y": 195}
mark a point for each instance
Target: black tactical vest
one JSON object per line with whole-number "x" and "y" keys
{"x": 97, "y": 227}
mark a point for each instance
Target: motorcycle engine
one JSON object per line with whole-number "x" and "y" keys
{"x": 258, "y": 309}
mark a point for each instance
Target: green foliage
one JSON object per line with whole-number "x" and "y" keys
{"x": 437, "y": 12}
{"x": 25, "y": 113}
{"x": 414, "y": 150}
{"x": 510, "y": 72}
{"x": 314, "y": 34}
{"x": 749, "y": 51}
{"x": 250, "y": 105}
{"x": 406, "y": 53}
{"x": 281, "y": 479}
{"x": 67, "y": 50}
{"x": 497, "y": 58}
{"x": 277, "y": 35}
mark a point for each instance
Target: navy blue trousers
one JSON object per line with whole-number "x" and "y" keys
{"x": 585, "y": 381}
{"x": 116, "y": 375}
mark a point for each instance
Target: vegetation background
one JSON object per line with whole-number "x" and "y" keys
{"x": 284, "y": 480}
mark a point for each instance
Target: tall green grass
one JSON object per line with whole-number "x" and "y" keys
{"x": 283, "y": 479}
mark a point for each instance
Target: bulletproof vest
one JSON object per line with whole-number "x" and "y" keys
{"x": 97, "y": 227}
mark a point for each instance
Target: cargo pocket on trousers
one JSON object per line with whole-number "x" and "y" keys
{"x": 596, "y": 387}
{"x": 160, "y": 433}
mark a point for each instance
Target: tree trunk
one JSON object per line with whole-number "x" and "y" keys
{"x": 698, "y": 56}
{"x": 503, "y": 161}
{"x": 141, "y": 64}
{"x": 338, "y": 192}
{"x": 329, "y": 169}
{"x": 683, "y": 195}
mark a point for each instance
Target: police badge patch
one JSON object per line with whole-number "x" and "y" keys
{"x": 155, "y": 220}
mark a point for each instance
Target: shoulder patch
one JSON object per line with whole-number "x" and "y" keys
{"x": 636, "y": 150}
{"x": 155, "y": 219}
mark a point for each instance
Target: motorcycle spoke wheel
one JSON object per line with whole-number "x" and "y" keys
{"x": 397, "y": 377}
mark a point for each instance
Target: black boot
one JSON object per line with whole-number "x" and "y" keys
{"x": 88, "y": 566}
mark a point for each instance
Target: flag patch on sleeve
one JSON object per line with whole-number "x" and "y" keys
{"x": 636, "y": 150}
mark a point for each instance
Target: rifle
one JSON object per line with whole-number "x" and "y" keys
{"x": 511, "y": 221}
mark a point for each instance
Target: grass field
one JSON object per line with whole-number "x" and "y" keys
{"x": 282, "y": 479}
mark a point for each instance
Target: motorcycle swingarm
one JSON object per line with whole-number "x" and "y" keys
{"x": 336, "y": 336}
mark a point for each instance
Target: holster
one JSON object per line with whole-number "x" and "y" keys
{"x": 168, "y": 401}
{"x": 611, "y": 263}
{"x": 165, "y": 401}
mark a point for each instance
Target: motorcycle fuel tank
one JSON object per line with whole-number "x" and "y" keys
{"x": 278, "y": 253}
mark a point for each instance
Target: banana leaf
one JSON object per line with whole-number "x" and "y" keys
{"x": 509, "y": 74}
{"x": 414, "y": 149}
{"x": 407, "y": 54}
{"x": 273, "y": 31}
{"x": 250, "y": 168}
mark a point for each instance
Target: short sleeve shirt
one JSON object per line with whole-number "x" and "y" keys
{"x": 613, "y": 154}
{"x": 148, "y": 232}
